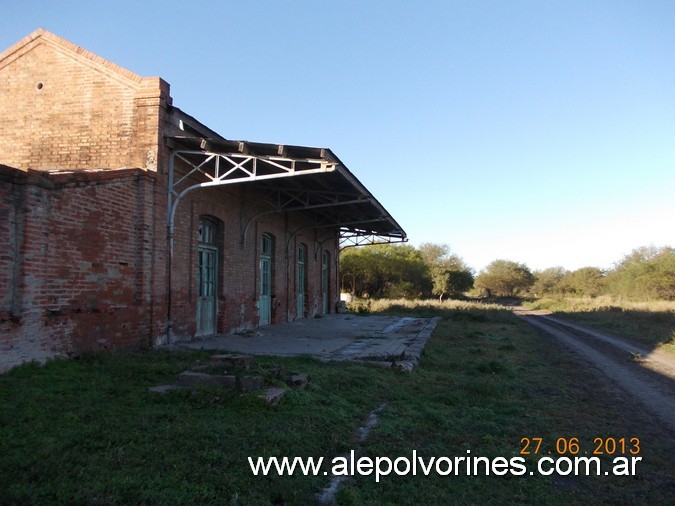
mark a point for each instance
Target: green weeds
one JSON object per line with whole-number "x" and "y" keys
{"x": 88, "y": 431}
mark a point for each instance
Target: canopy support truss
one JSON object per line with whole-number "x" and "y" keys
{"x": 196, "y": 163}
{"x": 350, "y": 238}
{"x": 206, "y": 169}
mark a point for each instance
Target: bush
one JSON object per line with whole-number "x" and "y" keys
{"x": 646, "y": 273}
{"x": 503, "y": 278}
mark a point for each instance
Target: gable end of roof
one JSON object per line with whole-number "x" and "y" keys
{"x": 41, "y": 36}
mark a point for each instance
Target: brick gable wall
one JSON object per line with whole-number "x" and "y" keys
{"x": 64, "y": 110}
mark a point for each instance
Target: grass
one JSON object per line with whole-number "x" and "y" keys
{"x": 649, "y": 323}
{"x": 88, "y": 431}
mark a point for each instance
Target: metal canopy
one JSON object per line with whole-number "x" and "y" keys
{"x": 288, "y": 179}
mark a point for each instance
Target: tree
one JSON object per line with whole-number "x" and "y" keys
{"x": 449, "y": 274}
{"x": 588, "y": 281}
{"x": 504, "y": 278}
{"x": 434, "y": 254}
{"x": 548, "y": 281}
{"x": 396, "y": 271}
{"x": 450, "y": 282}
{"x": 645, "y": 273}
{"x": 386, "y": 271}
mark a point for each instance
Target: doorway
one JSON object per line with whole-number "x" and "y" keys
{"x": 301, "y": 280}
{"x": 325, "y": 282}
{"x": 265, "y": 299}
{"x": 207, "y": 274}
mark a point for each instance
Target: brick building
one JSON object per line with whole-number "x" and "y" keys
{"x": 125, "y": 222}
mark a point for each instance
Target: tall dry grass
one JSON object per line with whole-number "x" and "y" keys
{"x": 416, "y": 305}
{"x": 381, "y": 305}
{"x": 601, "y": 303}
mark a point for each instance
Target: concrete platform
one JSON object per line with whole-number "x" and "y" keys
{"x": 387, "y": 339}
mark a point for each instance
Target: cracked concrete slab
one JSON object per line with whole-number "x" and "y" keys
{"x": 334, "y": 337}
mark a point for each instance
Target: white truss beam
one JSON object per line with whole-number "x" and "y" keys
{"x": 206, "y": 169}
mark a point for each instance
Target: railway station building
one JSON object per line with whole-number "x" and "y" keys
{"x": 127, "y": 223}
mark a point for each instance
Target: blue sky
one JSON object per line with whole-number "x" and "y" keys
{"x": 539, "y": 132}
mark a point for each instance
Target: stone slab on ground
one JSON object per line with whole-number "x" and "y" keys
{"x": 333, "y": 337}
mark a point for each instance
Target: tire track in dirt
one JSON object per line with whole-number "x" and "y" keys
{"x": 650, "y": 381}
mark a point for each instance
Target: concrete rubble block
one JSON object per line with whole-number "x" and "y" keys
{"x": 273, "y": 395}
{"x": 233, "y": 360}
{"x": 298, "y": 380}
{"x": 250, "y": 383}
{"x": 200, "y": 379}
{"x": 404, "y": 365}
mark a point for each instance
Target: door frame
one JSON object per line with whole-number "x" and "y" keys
{"x": 266, "y": 277}
{"x": 301, "y": 280}
{"x": 325, "y": 282}
{"x": 207, "y": 251}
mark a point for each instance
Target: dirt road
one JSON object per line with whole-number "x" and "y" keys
{"x": 648, "y": 375}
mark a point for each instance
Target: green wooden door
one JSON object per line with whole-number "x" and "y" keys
{"x": 265, "y": 297}
{"x": 325, "y": 278}
{"x": 207, "y": 271}
{"x": 301, "y": 280}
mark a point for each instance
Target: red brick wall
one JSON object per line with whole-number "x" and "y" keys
{"x": 83, "y": 254}
{"x": 8, "y": 243}
{"x": 238, "y": 288}
{"x": 79, "y": 263}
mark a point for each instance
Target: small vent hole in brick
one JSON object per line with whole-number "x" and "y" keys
{"x": 39, "y": 86}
